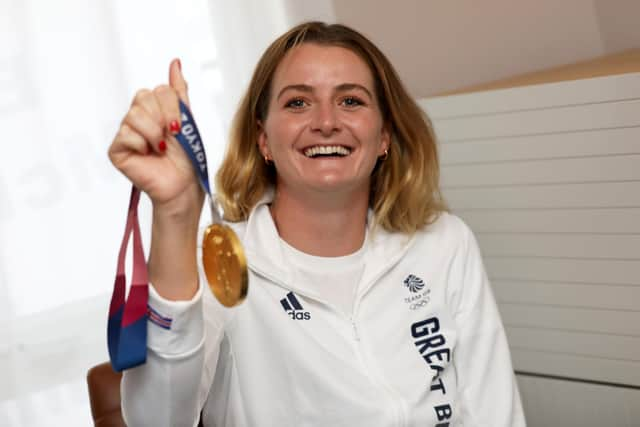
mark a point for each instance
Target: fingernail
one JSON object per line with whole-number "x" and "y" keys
{"x": 162, "y": 146}
{"x": 179, "y": 64}
{"x": 174, "y": 126}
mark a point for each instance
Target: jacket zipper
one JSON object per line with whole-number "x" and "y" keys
{"x": 399, "y": 406}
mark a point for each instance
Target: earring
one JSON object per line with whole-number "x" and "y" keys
{"x": 268, "y": 161}
{"x": 385, "y": 155}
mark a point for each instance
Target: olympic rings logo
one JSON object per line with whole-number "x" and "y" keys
{"x": 419, "y": 304}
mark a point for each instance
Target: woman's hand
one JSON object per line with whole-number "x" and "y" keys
{"x": 146, "y": 152}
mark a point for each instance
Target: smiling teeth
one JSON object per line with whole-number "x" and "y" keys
{"x": 327, "y": 150}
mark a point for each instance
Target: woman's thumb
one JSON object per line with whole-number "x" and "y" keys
{"x": 177, "y": 81}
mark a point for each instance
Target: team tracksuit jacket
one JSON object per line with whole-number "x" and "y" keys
{"x": 423, "y": 346}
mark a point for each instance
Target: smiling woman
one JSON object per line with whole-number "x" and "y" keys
{"x": 369, "y": 303}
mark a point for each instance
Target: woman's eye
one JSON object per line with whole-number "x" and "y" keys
{"x": 350, "y": 101}
{"x": 295, "y": 103}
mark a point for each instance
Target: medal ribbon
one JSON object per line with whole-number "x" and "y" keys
{"x": 189, "y": 139}
{"x": 127, "y": 324}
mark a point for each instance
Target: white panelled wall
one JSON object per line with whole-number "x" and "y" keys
{"x": 548, "y": 178}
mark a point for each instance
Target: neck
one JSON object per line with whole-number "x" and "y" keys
{"x": 324, "y": 225}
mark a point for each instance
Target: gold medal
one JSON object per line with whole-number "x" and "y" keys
{"x": 225, "y": 264}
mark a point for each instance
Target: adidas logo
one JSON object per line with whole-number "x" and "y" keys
{"x": 414, "y": 283}
{"x": 293, "y": 307}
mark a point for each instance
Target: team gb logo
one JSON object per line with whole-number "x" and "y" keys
{"x": 414, "y": 283}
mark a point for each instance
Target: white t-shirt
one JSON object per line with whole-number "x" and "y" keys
{"x": 336, "y": 279}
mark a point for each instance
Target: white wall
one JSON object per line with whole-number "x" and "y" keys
{"x": 548, "y": 178}
{"x": 438, "y": 46}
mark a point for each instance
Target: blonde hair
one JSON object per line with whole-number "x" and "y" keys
{"x": 405, "y": 193}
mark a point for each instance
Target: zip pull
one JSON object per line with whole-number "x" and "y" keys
{"x": 356, "y": 336}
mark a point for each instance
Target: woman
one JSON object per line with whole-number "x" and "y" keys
{"x": 369, "y": 304}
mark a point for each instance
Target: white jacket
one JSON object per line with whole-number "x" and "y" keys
{"x": 424, "y": 345}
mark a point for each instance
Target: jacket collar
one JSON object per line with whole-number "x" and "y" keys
{"x": 265, "y": 254}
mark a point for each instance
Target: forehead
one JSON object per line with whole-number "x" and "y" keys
{"x": 318, "y": 65}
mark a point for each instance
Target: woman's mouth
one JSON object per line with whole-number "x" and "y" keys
{"x": 327, "y": 151}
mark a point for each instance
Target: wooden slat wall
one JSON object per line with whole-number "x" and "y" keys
{"x": 548, "y": 177}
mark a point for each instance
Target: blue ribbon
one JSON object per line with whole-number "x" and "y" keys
{"x": 189, "y": 139}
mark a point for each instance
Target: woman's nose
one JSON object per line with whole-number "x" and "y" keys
{"x": 325, "y": 119}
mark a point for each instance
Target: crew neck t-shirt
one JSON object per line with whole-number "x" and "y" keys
{"x": 334, "y": 279}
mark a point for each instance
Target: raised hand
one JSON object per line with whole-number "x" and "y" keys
{"x": 146, "y": 152}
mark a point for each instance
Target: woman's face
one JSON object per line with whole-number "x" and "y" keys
{"x": 324, "y": 129}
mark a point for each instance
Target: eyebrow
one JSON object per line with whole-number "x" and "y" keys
{"x": 340, "y": 88}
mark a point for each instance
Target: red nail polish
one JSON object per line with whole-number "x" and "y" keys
{"x": 174, "y": 126}
{"x": 162, "y": 146}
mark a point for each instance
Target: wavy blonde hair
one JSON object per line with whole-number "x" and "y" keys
{"x": 405, "y": 193}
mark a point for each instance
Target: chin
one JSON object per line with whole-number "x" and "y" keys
{"x": 335, "y": 183}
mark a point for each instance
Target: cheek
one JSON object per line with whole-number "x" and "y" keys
{"x": 282, "y": 132}
{"x": 368, "y": 133}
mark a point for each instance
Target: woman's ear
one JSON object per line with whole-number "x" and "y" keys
{"x": 385, "y": 139}
{"x": 262, "y": 141}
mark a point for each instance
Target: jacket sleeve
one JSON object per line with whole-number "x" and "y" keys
{"x": 170, "y": 389}
{"x": 488, "y": 390}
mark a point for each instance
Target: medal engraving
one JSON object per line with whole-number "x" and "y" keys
{"x": 225, "y": 265}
